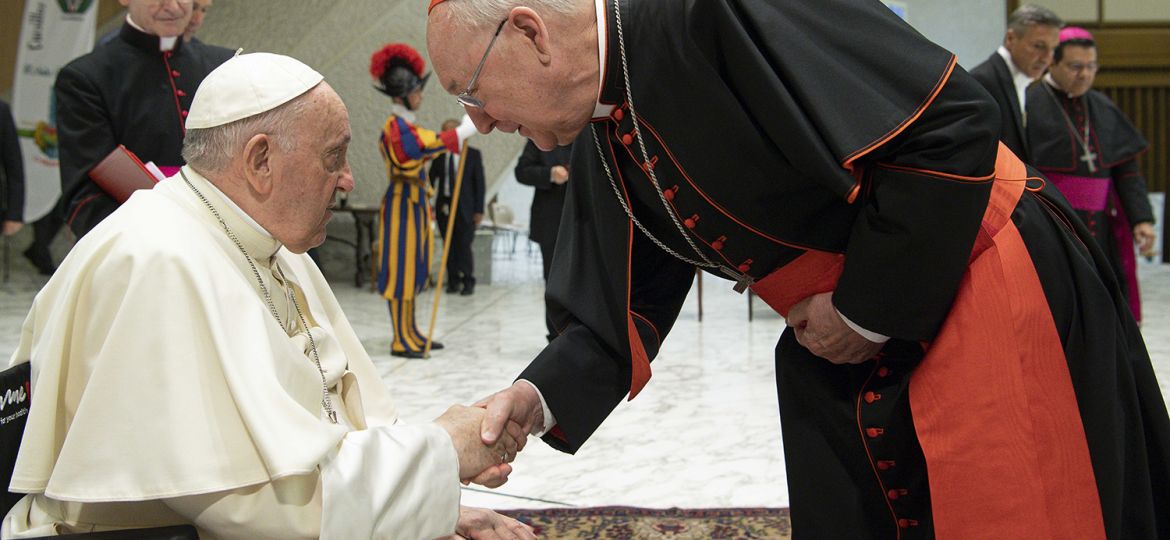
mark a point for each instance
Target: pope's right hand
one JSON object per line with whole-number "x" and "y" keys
{"x": 485, "y": 464}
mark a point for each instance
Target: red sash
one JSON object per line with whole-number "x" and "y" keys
{"x": 992, "y": 400}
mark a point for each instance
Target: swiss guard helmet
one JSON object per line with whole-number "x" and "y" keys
{"x": 398, "y": 70}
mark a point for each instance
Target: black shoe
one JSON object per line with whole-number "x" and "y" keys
{"x": 468, "y": 289}
{"x": 452, "y": 289}
{"x": 407, "y": 354}
{"x": 41, "y": 260}
{"x": 435, "y": 345}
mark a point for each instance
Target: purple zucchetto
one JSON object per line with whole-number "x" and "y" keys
{"x": 1075, "y": 32}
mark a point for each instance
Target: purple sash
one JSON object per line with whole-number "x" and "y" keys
{"x": 1082, "y": 192}
{"x": 1093, "y": 195}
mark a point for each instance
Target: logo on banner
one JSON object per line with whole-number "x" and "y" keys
{"x": 54, "y": 32}
{"x": 75, "y": 6}
{"x": 44, "y": 135}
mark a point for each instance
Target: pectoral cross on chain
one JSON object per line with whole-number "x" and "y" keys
{"x": 742, "y": 281}
{"x": 1090, "y": 159}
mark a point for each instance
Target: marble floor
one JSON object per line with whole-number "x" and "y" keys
{"x": 705, "y": 432}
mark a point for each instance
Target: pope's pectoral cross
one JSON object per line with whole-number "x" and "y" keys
{"x": 1090, "y": 159}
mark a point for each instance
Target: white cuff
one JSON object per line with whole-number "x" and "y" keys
{"x": 872, "y": 336}
{"x": 549, "y": 420}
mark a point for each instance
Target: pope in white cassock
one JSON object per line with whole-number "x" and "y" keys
{"x": 191, "y": 365}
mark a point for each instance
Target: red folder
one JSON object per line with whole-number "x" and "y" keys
{"x": 121, "y": 173}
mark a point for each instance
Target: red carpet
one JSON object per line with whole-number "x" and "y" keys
{"x": 622, "y": 523}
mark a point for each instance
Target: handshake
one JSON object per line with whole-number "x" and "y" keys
{"x": 488, "y": 435}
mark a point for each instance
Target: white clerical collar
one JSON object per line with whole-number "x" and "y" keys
{"x": 164, "y": 43}
{"x": 235, "y": 209}
{"x": 600, "y": 109}
{"x": 1052, "y": 82}
{"x": 400, "y": 110}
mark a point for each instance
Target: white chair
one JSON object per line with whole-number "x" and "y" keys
{"x": 504, "y": 221}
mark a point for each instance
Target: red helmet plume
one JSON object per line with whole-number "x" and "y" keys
{"x": 396, "y": 54}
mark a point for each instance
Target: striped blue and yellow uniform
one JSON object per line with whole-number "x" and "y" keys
{"x": 404, "y": 229}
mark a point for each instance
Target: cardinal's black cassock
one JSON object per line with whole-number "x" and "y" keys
{"x": 808, "y": 147}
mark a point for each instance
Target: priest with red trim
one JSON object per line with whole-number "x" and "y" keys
{"x": 959, "y": 361}
{"x": 134, "y": 91}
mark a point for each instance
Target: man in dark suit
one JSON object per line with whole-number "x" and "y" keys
{"x": 547, "y": 172}
{"x": 1032, "y": 35}
{"x": 469, "y": 213}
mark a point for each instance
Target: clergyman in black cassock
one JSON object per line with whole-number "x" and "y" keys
{"x": 842, "y": 166}
{"x": 1088, "y": 149}
{"x": 130, "y": 92}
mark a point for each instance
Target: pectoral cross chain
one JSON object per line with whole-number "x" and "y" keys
{"x": 1090, "y": 159}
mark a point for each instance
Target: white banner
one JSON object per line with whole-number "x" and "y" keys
{"x": 53, "y": 32}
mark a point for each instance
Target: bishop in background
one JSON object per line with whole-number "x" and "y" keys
{"x": 1089, "y": 150}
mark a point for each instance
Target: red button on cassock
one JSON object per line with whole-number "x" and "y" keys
{"x": 717, "y": 245}
{"x": 174, "y": 73}
{"x": 180, "y": 93}
{"x": 871, "y": 397}
{"x": 668, "y": 195}
{"x": 743, "y": 268}
{"x": 618, "y": 115}
{"x": 883, "y": 371}
{"x": 183, "y": 114}
{"x": 874, "y": 432}
{"x": 627, "y": 139}
{"x": 886, "y": 464}
{"x": 893, "y": 494}
{"x": 907, "y": 523}
{"x": 689, "y": 223}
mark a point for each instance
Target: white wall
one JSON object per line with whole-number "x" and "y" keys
{"x": 972, "y": 29}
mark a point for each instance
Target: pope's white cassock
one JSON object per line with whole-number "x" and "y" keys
{"x": 165, "y": 392}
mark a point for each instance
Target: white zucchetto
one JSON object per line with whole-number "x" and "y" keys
{"x": 247, "y": 85}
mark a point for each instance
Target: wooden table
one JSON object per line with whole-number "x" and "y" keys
{"x": 365, "y": 219}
